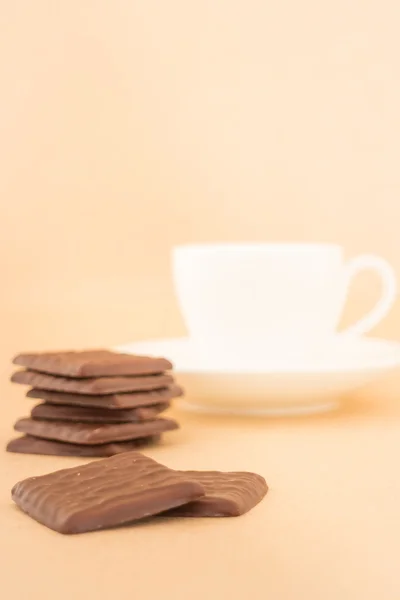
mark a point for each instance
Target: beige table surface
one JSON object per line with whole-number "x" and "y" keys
{"x": 329, "y": 528}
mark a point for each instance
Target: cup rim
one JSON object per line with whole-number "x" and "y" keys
{"x": 257, "y": 246}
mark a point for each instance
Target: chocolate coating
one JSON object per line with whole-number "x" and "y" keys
{"x": 92, "y": 363}
{"x": 88, "y": 433}
{"x": 91, "y": 385}
{"x": 103, "y": 494}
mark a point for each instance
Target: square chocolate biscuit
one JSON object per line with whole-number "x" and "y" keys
{"x": 111, "y": 401}
{"x": 28, "y": 444}
{"x": 92, "y": 385}
{"x": 226, "y": 494}
{"x": 86, "y": 414}
{"x": 90, "y": 433}
{"x": 92, "y": 363}
{"x": 105, "y": 493}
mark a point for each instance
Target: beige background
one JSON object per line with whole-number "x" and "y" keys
{"x": 127, "y": 126}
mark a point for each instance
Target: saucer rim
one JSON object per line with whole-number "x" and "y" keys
{"x": 389, "y": 360}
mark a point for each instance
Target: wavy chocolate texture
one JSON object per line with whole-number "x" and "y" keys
{"x": 227, "y": 494}
{"x": 103, "y": 494}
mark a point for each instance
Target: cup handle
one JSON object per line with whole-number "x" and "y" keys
{"x": 389, "y": 292}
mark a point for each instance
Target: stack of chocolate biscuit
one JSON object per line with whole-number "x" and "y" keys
{"x": 94, "y": 402}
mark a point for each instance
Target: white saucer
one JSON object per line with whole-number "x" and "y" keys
{"x": 267, "y": 385}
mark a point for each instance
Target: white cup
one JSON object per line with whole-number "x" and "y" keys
{"x": 266, "y": 294}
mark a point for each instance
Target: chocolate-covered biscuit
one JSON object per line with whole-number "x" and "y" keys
{"x": 92, "y": 386}
{"x": 226, "y": 494}
{"x": 92, "y": 363}
{"x": 111, "y": 401}
{"x": 88, "y": 433}
{"x": 28, "y": 444}
{"x": 105, "y": 493}
{"x": 86, "y": 414}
